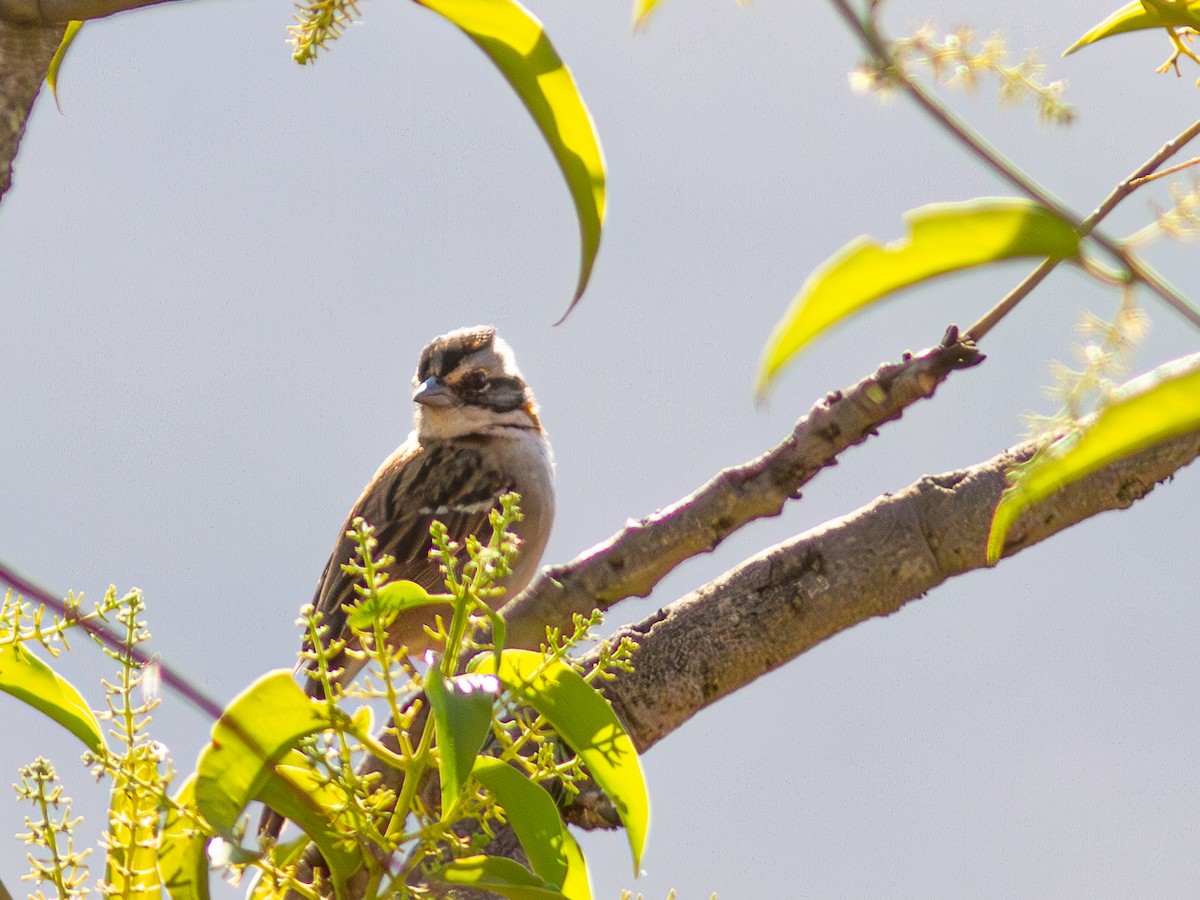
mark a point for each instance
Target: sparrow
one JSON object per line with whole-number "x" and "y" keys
{"x": 476, "y": 436}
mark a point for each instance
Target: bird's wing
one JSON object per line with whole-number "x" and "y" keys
{"x": 447, "y": 481}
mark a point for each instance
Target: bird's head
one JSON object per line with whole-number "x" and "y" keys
{"x": 467, "y": 382}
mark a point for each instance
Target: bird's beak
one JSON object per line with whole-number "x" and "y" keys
{"x": 432, "y": 392}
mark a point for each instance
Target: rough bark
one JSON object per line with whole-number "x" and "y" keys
{"x": 775, "y": 606}
{"x": 25, "y": 54}
{"x": 633, "y": 561}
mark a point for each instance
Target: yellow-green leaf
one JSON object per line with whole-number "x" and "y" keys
{"x": 516, "y": 42}
{"x": 182, "y": 862}
{"x": 586, "y": 721}
{"x": 498, "y": 875}
{"x": 1137, "y": 16}
{"x": 257, "y": 728}
{"x": 944, "y": 238}
{"x": 1146, "y": 411}
{"x": 295, "y": 790}
{"x": 57, "y": 60}
{"x": 29, "y": 679}
{"x": 552, "y": 851}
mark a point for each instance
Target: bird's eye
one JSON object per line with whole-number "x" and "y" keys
{"x": 474, "y": 382}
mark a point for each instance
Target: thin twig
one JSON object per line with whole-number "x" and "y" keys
{"x": 1142, "y": 175}
{"x": 170, "y": 677}
{"x": 868, "y": 34}
{"x": 1146, "y": 179}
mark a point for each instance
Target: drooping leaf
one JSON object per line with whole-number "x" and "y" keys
{"x": 1137, "y": 16}
{"x": 131, "y": 863}
{"x": 57, "y": 60}
{"x": 641, "y": 12}
{"x": 257, "y": 728}
{"x": 1146, "y": 411}
{"x": 462, "y": 715}
{"x": 295, "y": 790}
{"x": 552, "y": 851}
{"x": 586, "y": 721}
{"x": 182, "y": 862}
{"x": 516, "y": 42}
{"x": 944, "y": 238}
{"x": 643, "y": 8}
{"x": 29, "y": 679}
{"x": 499, "y": 875}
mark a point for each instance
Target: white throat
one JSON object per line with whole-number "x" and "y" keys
{"x": 459, "y": 421}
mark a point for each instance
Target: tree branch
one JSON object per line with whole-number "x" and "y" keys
{"x": 880, "y": 49}
{"x": 633, "y": 561}
{"x": 30, "y": 32}
{"x": 1140, "y": 176}
{"x": 25, "y": 54}
{"x": 775, "y": 606}
{"x": 60, "y": 12}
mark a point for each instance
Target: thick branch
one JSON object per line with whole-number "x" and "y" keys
{"x": 30, "y": 32}
{"x": 775, "y": 606}
{"x": 634, "y": 560}
{"x": 25, "y": 54}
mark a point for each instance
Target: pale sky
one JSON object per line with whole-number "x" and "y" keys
{"x": 218, "y": 270}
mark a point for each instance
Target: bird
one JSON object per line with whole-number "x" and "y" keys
{"x": 476, "y": 436}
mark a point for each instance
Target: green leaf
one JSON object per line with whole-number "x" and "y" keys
{"x": 552, "y": 850}
{"x": 297, "y": 791}
{"x": 182, "y": 862}
{"x": 57, "y": 60}
{"x": 586, "y": 721}
{"x": 1137, "y": 16}
{"x": 515, "y": 41}
{"x": 462, "y": 715}
{"x": 257, "y": 728}
{"x": 29, "y": 679}
{"x": 390, "y": 600}
{"x": 498, "y": 875}
{"x": 1146, "y": 411}
{"x": 944, "y": 238}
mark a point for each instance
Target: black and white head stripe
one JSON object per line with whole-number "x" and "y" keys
{"x": 444, "y": 354}
{"x": 478, "y": 367}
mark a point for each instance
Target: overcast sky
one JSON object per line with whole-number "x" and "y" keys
{"x": 218, "y": 269}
